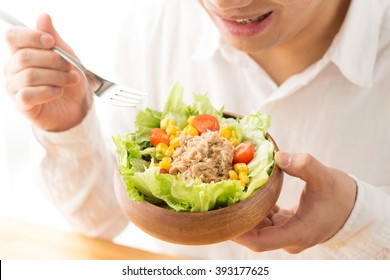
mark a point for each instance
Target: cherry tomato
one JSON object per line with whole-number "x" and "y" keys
{"x": 244, "y": 152}
{"x": 157, "y": 135}
{"x": 163, "y": 171}
{"x": 205, "y": 122}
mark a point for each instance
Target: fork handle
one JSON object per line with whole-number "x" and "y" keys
{"x": 70, "y": 59}
{"x": 10, "y": 19}
{"x": 15, "y": 22}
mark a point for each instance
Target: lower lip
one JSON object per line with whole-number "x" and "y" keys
{"x": 246, "y": 30}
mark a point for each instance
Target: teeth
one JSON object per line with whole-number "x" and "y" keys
{"x": 246, "y": 21}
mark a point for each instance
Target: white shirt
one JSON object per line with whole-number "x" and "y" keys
{"x": 338, "y": 110}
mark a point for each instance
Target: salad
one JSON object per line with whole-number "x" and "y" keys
{"x": 193, "y": 157}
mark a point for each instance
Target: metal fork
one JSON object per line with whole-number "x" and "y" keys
{"x": 107, "y": 91}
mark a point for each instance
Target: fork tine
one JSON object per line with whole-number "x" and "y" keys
{"x": 127, "y": 99}
{"x": 131, "y": 95}
{"x": 134, "y": 92}
{"x": 118, "y": 95}
{"x": 117, "y": 101}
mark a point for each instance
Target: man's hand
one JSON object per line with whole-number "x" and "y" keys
{"x": 325, "y": 205}
{"x": 45, "y": 88}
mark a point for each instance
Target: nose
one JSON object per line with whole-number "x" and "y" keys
{"x": 230, "y": 4}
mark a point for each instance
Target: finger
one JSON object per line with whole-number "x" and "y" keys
{"x": 276, "y": 218}
{"x": 22, "y": 37}
{"x": 275, "y": 209}
{"x": 306, "y": 167}
{"x": 45, "y": 24}
{"x": 29, "y": 97}
{"x": 276, "y": 237}
{"x": 282, "y": 216}
{"x": 266, "y": 222}
{"x": 25, "y": 58}
{"x": 38, "y": 77}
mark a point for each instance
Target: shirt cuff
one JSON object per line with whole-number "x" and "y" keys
{"x": 367, "y": 231}
{"x": 74, "y": 141}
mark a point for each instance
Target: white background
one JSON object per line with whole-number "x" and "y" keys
{"x": 90, "y": 27}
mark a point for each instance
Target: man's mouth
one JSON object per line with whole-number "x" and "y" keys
{"x": 246, "y": 27}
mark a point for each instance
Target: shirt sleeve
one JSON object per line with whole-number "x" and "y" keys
{"x": 76, "y": 173}
{"x": 366, "y": 234}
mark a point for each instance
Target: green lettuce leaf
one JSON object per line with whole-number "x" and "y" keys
{"x": 145, "y": 122}
{"x": 175, "y": 108}
{"x": 202, "y": 105}
{"x": 181, "y": 195}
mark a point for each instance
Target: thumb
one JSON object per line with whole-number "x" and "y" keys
{"x": 303, "y": 166}
{"x": 45, "y": 24}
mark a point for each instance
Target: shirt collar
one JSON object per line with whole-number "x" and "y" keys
{"x": 354, "y": 48}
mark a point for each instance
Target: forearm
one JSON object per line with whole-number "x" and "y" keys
{"x": 366, "y": 234}
{"x": 76, "y": 174}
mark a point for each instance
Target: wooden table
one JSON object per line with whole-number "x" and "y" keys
{"x": 24, "y": 240}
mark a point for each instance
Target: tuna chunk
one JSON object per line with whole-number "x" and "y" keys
{"x": 208, "y": 157}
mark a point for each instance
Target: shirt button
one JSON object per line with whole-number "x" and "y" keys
{"x": 338, "y": 245}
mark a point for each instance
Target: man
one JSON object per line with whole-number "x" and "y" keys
{"x": 299, "y": 61}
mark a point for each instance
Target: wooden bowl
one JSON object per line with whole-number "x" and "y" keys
{"x": 201, "y": 228}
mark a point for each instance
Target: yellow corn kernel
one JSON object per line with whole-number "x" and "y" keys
{"x": 156, "y": 164}
{"x": 242, "y": 184}
{"x": 190, "y": 120}
{"x": 167, "y": 159}
{"x": 234, "y": 141}
{"x": 172, "y": 137}
{"x": 233, "y": 175}
{"x": 190, "y": 130}
{"x": 164, "y": 123}
{"x": 243, "y": 177}
{"x": 164, "y": 165}
{"x": 171, "y": 129}
{"x": 161, "y": 148}
{"x": 177, "y": 130}
{"x": 174, "y": 142}
{"x": 241, "y": 167}
{"x": 225, "y": 131}
{"x": 234, "y": 134}
{"x": 169, "y": 151}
